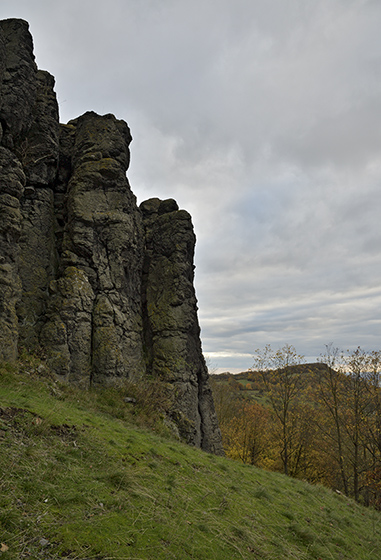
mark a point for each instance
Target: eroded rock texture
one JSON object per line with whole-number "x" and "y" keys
{"x": 105, "y": 287}
{"x": 172, "y": 333}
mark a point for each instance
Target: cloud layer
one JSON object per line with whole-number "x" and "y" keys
{"x": 262, "y": 118}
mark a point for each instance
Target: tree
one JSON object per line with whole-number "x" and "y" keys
{"x": 349, "y": 391}
{"x": 283, "y": 381}
{"x": 372, "y": 432}
{"x": 357, "y": 365}
{"x": 247, "y": 433}
{"x": 225, "y": 402}
{"x": 373, "y": 428}
{"x": 330, "y": 381}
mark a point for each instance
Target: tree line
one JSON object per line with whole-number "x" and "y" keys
{"x": 319, "y": 422}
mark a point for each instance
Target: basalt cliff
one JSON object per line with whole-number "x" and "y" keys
{"x": 103, "y": 286}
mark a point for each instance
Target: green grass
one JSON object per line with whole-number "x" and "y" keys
{"x": 83, "y": 475}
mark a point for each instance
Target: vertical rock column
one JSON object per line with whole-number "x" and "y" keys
{"x": 12, "y": 180}
{"x": 172, "y": 332}
{"x": 18, "y": 82}
{"x": 38, "y": 257}
{"x": 94, "y": 328}
{"x": 22, "y": 143}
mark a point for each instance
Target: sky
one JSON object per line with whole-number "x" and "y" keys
{"x": 262, "y": 118}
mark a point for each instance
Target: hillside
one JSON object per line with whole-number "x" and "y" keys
{"x": 97, "y": 475}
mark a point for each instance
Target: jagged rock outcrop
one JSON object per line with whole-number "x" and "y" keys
{"x": 172, "y": 332}
{"x": 106, "y": 288}
{"x": 94, "y": 318}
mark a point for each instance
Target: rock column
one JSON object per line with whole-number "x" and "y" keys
{"x": 94, "y": 328}
{"x": 171, "y": 325}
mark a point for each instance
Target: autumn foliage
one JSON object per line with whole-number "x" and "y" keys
{"x": 319, "y": 422}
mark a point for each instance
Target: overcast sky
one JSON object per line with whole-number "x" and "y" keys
{"x": 262, "y": 118}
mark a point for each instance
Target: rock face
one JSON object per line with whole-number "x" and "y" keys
{"x": 105, "y": 287}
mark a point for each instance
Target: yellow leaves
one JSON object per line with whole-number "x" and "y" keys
{"x": 246, "y": 433}
{"x": 320, "y": 422}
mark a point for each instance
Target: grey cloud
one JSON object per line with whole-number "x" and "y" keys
{"x": 262, "y": 119}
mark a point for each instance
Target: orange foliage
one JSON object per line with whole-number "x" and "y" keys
{"x": 320, "y": 422}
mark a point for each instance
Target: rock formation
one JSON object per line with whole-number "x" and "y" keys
{"x": 105, "y": 287}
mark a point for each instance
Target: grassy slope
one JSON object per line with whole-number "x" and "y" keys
{"x": 79, "y": 479}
